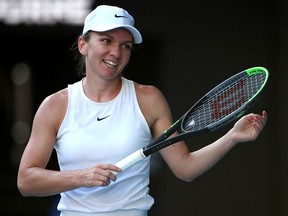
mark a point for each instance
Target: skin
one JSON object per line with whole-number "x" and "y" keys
{"x": 106, "y": 56}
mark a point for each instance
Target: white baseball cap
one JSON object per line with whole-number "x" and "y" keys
{"x": 104, "y": 18}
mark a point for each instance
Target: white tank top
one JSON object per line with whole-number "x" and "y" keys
{"x": 93, "y": 133}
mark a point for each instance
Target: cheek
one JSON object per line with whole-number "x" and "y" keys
{"x": 125, "y": 60}
{"x": 93, "y": 53}
{"x": 127, "y": 57}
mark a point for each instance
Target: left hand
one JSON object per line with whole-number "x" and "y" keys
{"x": 249, "y": 127}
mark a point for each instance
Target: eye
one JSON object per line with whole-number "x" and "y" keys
{"x": 127, "y": 46}
{"x": 106, "y": 40}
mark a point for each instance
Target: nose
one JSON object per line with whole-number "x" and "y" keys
{"x": 115, "y": 51}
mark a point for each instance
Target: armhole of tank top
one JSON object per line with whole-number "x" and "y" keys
{"x": 69, "y": 92}
{"x": 141, "y": 115}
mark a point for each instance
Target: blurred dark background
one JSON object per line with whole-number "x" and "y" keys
{"x": 188, "y": 48}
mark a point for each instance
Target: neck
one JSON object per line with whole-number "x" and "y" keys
{"x": 101, "y": 90}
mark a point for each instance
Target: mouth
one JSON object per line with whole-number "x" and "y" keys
{"x": 111, "y": 63}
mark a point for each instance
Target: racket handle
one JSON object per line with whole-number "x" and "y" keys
{"x": 130, "y": 160}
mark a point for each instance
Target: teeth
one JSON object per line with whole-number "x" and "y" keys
{"x": 111, "y": 63}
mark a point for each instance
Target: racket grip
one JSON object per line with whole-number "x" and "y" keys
{"x": 130, "y": 160}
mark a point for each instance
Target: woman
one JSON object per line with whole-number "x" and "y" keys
{"x": 104, "y": 117}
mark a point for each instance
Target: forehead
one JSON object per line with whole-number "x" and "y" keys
{"x": 118, "y": 33}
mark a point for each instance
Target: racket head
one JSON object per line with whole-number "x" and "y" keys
{"x": 227, "y": 101}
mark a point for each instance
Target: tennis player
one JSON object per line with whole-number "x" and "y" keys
{"x": 102, "y": 118}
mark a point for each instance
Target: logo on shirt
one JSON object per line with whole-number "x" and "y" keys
{"x": 102, "y": 118}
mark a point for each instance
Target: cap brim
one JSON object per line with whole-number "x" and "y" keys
{"x": 102, "y": 28}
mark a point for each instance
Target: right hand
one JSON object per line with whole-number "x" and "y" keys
{"x": 99, "y": 175}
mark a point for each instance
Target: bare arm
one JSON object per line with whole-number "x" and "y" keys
{"x": 192, "y": 164}
{"x": 33, "y": 177}
{"x": 188, "y": 165}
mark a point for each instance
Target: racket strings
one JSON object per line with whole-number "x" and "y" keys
{"x": 226, "y": 100}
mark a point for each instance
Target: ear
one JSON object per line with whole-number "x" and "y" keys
{"x": 82, "y": 45}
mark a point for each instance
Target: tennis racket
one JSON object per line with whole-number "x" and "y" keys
{"x": 224, "y": 103}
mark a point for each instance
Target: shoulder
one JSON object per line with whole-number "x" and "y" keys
{"x": 56, "y": 100}
{"x": 152, "y": 103}
{"x": 148, "y": 92}
{"x": 53, "y": 108}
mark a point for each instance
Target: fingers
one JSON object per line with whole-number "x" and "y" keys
{"x": 254, "y": 124}
{"x": 104, "y": 178}
{"x": 264, "y": 115}
{"x": 249, "y": 127}
{"x": 260, "y": 120}
{"x": 107, "y": 173}
{"x": 100, "y": 175}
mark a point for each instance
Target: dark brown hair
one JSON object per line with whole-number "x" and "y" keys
{"x": 79, "y": 58}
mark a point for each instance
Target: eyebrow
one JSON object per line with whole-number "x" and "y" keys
{"x": 110, "y": 36}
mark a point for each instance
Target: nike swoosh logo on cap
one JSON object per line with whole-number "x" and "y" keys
{"x": 100, "y": 119}
{"x": 118, "y": 16}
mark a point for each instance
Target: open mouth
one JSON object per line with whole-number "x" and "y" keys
{"x": 111, "y": 63}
